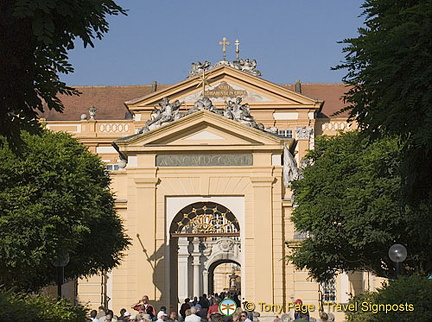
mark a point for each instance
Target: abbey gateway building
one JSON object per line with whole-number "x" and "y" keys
{"x": 201, "y": 172}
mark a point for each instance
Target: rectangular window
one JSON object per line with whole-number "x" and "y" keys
{"x": 112, "y": 167}
{"x": 300, "y": 236}
{"x": 285, "y": 133}
{"x": 328, "y": 290}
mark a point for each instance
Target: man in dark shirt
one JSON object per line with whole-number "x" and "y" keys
{"x": 184, "y": 307}
{"x": 205, "y": 304}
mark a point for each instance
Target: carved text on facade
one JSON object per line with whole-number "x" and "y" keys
{"x": 225, "y": 90}
{"x": 203, "y": 160}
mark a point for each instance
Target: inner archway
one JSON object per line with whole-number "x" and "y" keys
{"x": 224, "y": 276}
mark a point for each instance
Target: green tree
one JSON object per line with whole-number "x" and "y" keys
{"x": 35, "y": 36}
{"x": 39, "y": 308}
{"x": 408, "y": 298}
{"x": 348, "y": 201}
{"x": 55, "y": 196}
{"x": 390, "y": 73}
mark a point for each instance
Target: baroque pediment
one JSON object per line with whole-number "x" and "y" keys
{"x": 223, "y": 83}
{"x": 202, "y": 130}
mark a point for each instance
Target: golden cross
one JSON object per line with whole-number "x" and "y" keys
{"x": 224, "y": 43}
{"x": 203, "y": 82}
{"x": 237, "y": 43}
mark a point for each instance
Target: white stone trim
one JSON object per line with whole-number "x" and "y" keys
{"x": 285, "y": 115}
{"x": 106, "y": 149}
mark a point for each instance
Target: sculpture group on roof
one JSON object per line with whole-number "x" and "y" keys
{"x": 198, "y": 68}
{"x": 235, "y": 110}
{"x": 165, "y": 113}
{"x": 245, "y": 65}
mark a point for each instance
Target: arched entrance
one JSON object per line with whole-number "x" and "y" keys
{"x": 224, "y": 276}
{"x": 203, "y": 235}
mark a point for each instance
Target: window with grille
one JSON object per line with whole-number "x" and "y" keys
{"x": 285, "y": 133}
{"x": 328, "y": 290}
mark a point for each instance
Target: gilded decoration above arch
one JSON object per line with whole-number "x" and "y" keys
{"x": 205, "y": 219}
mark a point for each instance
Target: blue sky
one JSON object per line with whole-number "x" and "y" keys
{"x": 159, "y": 39}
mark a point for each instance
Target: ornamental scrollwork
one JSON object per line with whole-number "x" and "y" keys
{"x": 206, "y": 218}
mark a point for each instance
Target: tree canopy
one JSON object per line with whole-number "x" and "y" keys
{"x": 35, "y": 38}
{"x": 390, "y": 72}
{"x": 349, "y": 203}
{"x": 54, "y": 197}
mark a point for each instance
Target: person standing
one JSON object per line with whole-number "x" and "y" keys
{"x": 93, "y": 315}
{"x": 173, "y": 317}
{"x": 244, "y": 317}
{"x": 161, "y": 317}
{"x": 194, "y": 316}
{"x": 143, "y": 306}
{"x": 185, "y": 306}
{"x": 205, "y": 304}
{"x": 214, "y": 308}
{"x": 300, "y": 313}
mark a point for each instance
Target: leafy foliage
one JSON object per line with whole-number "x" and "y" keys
{"x": 409, "y": 297}
{"x": 35, "y": 38}
{"x": 349, "y": 202}
{"x": 39, "y": 308}
{"x": 390, "y": 70}
{"x": 55, "y": 196}
{"x": 360, "y": 315}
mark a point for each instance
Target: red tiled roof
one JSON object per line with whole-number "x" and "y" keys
{"x": 331, "y": 94}
{"x": 109, "y": 100}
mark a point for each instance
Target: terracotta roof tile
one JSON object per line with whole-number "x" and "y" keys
{"x": 109, "y": 100}
{"x": 331, "y": 94}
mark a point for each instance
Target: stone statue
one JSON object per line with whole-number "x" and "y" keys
{"x": 247, "y": 66}
{"x": 198, "y": 68}
{"x": 92, "y": 112}
{"x": 167, "y": 112}
{"x": 239, "y": 112}
{"x": 203, "y": 103}
{"x": 233, "y": 280}
{"x": 235, "y": 110}
{"x": 304, "y": 133}
{"x": 290, "y": 170}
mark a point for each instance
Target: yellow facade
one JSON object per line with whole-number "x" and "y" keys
{"x": 151, "y": 195}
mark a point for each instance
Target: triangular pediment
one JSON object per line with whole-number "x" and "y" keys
{"x": 202, "y": 130}
{"x": 224, "y": 83}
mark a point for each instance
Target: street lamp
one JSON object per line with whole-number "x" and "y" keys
{"x": 60, "y": 260}
{"x": 397, "y": 254}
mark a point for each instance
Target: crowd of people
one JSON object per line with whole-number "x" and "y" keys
{"x": 202, "y": 309}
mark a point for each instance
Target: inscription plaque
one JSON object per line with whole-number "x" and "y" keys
{"x": 203, "y": 160}
{"x": 224, "y": 90}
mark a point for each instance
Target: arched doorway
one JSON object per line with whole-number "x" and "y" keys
{"x": 202, "y": 236}
{"x": 224, "y": 276}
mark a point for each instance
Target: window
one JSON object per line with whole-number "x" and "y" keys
{"x": 112, "y": 167}
{"x": 285, "y": 133}
{"x": 300, "y": 236}
{"x": 328, "y": 290}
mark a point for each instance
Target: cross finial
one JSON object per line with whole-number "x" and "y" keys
{"x": 224, "y": 43}
{"x": 237, "y": 43}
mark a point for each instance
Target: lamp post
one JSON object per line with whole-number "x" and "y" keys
{"x": 60, "y": 260}
{"x": 397, "y": 254}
